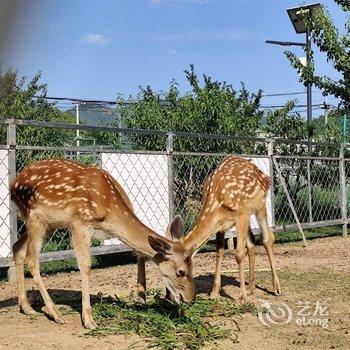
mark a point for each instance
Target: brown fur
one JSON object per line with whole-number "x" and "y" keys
{"x": 236, "y": 189}
{"x": 59, "y": 193}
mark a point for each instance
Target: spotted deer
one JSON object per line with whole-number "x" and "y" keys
{"x": 236, "y": 189}
{"x": 59, "y": 193}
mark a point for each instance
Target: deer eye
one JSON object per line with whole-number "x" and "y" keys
{"x": 181, "y": 273}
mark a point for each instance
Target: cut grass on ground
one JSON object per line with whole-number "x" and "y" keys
{"x": 167, "y": 325}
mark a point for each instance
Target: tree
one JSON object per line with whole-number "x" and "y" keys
{"x": 211, "y": 107}
{"x": 19, "y": 100}
{"x": 336, "y": 47}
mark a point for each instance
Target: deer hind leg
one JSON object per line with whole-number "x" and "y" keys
{"x": 269, "y": 242}
{"x": 19, "y": 254}
{"x": 81, "y": 243}
{"x": 141, "y": 278}
{"x": 220, "y": 241}
{"x": 251, "y": 258}
{"x": 242, "y": 225}
{"x": 36, "y": 234}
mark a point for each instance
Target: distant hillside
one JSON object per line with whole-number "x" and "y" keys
{"x": 95, "y": 114}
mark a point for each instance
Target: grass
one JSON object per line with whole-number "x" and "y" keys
{"x": 320, "y": 232}
{"x": 166, "y": 325}
{"x": 323, "y": 279}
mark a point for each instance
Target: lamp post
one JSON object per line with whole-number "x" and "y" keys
{"x": 297, "y": 16}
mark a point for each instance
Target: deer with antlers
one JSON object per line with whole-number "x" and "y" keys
{"x": 236, "y": 189}
{"x": 59, "y": 193}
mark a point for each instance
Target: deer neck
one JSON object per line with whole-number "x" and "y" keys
{"x": 204, "y": 228}
{"x": 131, "y": 231}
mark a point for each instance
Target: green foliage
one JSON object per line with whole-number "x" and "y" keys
{"x": 19, "y": 100}
{"x": 325, "y": 204}
{"x": 167, "y": 325}
{"x": 211, "y": 107}
{"x": 285, "y": 124}
{"x": 214, "y": 108}
{"x": 336, "y": 47}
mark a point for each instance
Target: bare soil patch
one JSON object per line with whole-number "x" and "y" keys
{"x": 319, "y": 273}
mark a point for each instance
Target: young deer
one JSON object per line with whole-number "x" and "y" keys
{"x": 58, "y": 193}
{"x": 231, "y": 193}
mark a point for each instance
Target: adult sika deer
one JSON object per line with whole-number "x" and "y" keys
{"x": 58, "y": 193}
{"x": 236, "y": 189}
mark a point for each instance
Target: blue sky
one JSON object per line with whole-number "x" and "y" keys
{"x": 96, "y": 49}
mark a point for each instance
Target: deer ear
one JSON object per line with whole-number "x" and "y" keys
{"x": 175, "y": 230}
{"x": 160, "y": 245}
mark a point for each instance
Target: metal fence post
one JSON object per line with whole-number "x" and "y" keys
{"x": 342, "y": 178}
{"x": 270, "y": 153}
{"x": 169, "y": 152}
{"x": 291, "y": 204}
{"x": 11, "y": 144}
{"x": 309, "y": 189}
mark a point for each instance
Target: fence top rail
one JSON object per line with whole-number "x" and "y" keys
{"x": 44, "y": 124}
{"x": 83, "y": 149}
{"x": 305, "y": 157}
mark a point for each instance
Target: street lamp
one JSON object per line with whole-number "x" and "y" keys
{"x": 297, "y": 16}
{"x": 284, "y": 43}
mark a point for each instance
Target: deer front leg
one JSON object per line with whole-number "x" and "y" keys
{"x": 242, "y": 224}
{"x": 81, "y": 243}
{"x": 141, "y": 278}
{"x": 220, "y": 241}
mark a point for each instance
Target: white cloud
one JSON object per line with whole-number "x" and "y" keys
{"x": 94, "y": 39}
{"x": 172, "y": 51}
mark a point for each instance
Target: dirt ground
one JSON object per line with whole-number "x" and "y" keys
{"x": 319, "y": 275}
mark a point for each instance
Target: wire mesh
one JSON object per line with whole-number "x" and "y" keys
{"x": 5, "y": 241}
{"x": 163, "y": 179}
{"x": 324, "y": 188}
{"x": 190, "y": 173}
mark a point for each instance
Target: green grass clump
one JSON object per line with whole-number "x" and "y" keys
{"x": 167, "y": 325}
{"x": 315, "y": 233}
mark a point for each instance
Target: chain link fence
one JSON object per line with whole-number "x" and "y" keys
{"x": 163, "y": 173}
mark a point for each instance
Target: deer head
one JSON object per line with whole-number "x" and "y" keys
{"x": 175, "y": 262}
